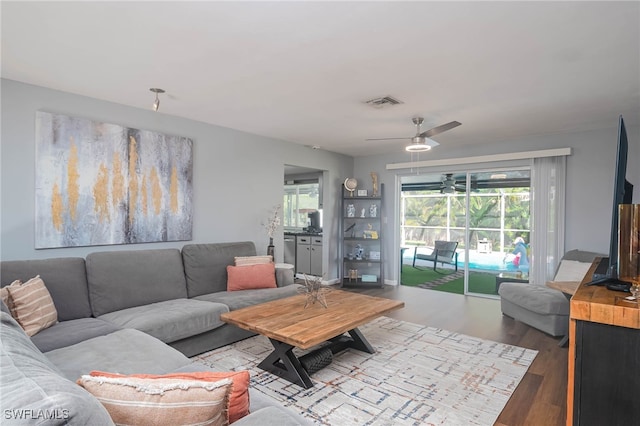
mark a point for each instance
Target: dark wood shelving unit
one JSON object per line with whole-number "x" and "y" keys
{"x": 362, "y": 240}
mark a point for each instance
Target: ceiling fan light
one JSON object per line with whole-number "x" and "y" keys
{"x": 417, "y": 147}
{"x": 420, "y": 144}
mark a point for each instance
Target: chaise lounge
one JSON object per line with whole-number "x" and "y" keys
{"x": 542, "y": 307}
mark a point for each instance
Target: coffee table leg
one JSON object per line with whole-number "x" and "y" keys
{"x": 356, "y": 341}
{"x": 284, "y": 363}
{"x": 359, "y": 342}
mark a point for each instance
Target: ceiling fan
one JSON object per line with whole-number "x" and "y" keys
{"x": 422, "y": 140}
{"x": 449, "y": 186}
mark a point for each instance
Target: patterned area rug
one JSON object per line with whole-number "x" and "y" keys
{"x": 419, "y": 375}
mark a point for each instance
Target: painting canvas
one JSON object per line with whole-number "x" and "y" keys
{"x": 99, "y": 183}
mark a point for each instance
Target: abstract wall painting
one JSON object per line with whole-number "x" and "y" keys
{"x": 99, "y": 184}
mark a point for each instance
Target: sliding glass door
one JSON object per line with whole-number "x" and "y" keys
{"x": 485, "y": 214}
{"x": 498, "y": 229}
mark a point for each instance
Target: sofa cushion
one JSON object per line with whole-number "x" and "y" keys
{"x": 539, "y": 299}
{"x": 251, "y": 277}
{"x": 125, "y": 351}
{"x": 67, "y": 333}
{"x": 32, "y": 306}
{"x": 65, "y": 278}
{"x": 170, "y": 320}
{"x": 243, "y": 298}
{"x": 30, "y": 384}
{"x": 205, "y": 265}
{"x": 158, "y": 402}
{"x": 238, "y": 401}
{"x": 124, "y": 279}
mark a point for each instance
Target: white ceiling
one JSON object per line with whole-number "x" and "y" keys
{"x": 300, "y": 71}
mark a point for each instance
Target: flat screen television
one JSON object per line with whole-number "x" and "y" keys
{"x": 607, "y": 273}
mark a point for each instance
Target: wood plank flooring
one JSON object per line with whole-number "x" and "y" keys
{"x": 541, "y": 398}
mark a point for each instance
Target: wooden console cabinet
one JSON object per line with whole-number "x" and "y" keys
{"x": 604, "y": 357}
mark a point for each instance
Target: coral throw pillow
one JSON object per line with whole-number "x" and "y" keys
{"x": 32, "y": 305}
{"x": 142, "y": 402}
{"x": 239, "y": 401}
{"x": 251, "y": 277}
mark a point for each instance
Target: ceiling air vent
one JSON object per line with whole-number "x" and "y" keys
{"x": 386, "y": 101}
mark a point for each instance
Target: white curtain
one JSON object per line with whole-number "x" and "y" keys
{"x": 548, "y": 203}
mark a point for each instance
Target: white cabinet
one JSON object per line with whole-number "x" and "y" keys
{"x": 303, "y": 254}
{"x": 309, "y": 255}
{"x": 316, "y": 256}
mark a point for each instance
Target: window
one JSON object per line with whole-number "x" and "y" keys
{"x": 299, "y": 201}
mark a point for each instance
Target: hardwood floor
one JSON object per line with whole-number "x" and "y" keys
{"x": 541, "y": 397}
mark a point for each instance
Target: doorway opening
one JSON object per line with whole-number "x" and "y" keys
{"x": 484, "y": 217}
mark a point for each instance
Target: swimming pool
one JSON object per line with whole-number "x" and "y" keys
{"x": 480, "y": 261}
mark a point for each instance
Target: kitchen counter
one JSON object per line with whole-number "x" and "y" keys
{"x": 296, "y": 233}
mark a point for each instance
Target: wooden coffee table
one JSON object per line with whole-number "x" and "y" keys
{"x": 289, "y": 325}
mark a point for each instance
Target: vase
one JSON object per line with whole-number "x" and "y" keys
{"x": 271, "y": 249}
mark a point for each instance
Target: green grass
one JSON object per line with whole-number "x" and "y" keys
{"x": 413, "y": 277}
{"x": 479, "y": 282}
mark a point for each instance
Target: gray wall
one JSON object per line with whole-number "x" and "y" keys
{"x": 237, "y": 177}
{"x": 590, "y": 171}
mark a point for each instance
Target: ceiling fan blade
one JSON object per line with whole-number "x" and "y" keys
{"x": 440, "y": 129}
{"x": 386, "y": 139}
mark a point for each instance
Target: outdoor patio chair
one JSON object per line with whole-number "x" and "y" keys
{"x": 443, "y": 252}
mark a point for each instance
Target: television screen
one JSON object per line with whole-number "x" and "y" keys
{"x": 622, "y": 194}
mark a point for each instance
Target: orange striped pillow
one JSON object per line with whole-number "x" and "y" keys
{"x": 33, "y": 306}
{"x": 6, "y": 297}
{"x": 141, "y": 402}
{"x": 238, "y": 400}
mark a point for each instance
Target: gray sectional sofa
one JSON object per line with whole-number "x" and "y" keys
{"x": 134, "y": 311}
